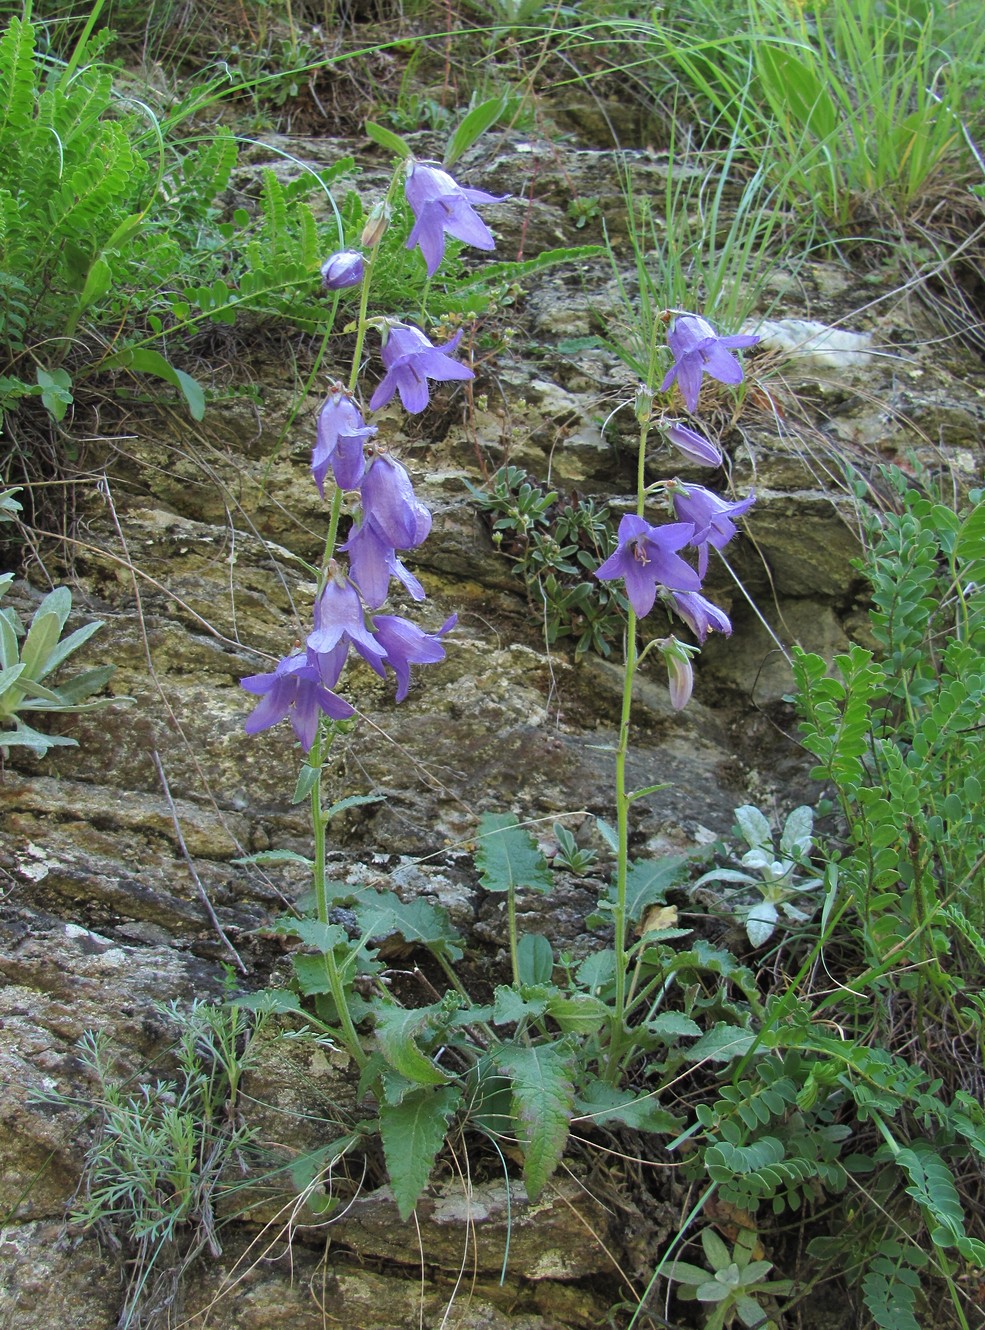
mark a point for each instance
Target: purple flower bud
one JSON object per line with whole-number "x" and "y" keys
{"x": 376, "y": 225}
{"x": 680, "y": 674}
{"x": 346, "y": 268}
{"x": 694, "y": 446}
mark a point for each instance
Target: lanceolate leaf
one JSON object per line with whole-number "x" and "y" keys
{"x": 507, "y": 857}
{"x": 413, "y": 1132}
{"x": 543, "y": 1101}
{"x": 475, "y": 124}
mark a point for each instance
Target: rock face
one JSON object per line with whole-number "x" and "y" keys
{"x": 121, "y": 891}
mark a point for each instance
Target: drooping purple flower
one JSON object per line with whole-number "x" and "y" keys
{"x": 442, "y": 205}
{"x": 340, "y": 622}
{"x": 697, "y": 349}
{"x": 644, "y": 558}
{"x": 700, "y": 615}
{"x": 694, "y": 446}
{"x": 712, "y": 517}
{"x": 294, "y": 690}
{"x": 341, "y": 270}
{"x": 373, "y": 561}
{"x": 339, "y": 442}
{"x": 410, "y": 360}
{"x": 407, "y": 645}
{"x": 389, "y": 502}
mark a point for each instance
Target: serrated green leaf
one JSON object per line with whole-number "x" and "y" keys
{"x": 382, "y": 913}
{"x": 351, "y": 801}
{"x": 671, "y": 1025}
{"x": 579, "y": 1013}
{"x": 385, "y": 138}
{"x": 413, "y": 1132}
{"x": 511, "y": 1007}
{"x": 605, "y": 1103}
{"x": 647, "y": 883}
{"x": 270, "y": 1000}
{"x": 722, "y": 1043}
{"x": 508, "y": 858}
{"x": 475, "y": 124}
{"x": 396, "y": 1030}
{"x": 542, "y": 1104}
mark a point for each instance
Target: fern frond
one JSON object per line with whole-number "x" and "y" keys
{"x": 17, "y": 90}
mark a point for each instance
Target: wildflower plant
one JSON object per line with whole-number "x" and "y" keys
{"x": 540, "y": 1052}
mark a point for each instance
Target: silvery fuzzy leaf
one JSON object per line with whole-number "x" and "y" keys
{"x": 727, "y": 875}
{"x": 760, "y": 922}
{"x": 798, "y": 830}
{"x": 754, "y": 826}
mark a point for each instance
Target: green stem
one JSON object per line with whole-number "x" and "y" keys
{"x": 624, "y": 801}
{"x": 511, "y": 912}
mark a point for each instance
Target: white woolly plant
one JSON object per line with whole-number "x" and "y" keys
{"x": 777, "y": 879}
{"x": 27, "y": 658}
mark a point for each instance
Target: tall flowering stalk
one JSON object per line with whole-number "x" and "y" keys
{"x": 647, "y": 561}
{"x": 387, "y": 517}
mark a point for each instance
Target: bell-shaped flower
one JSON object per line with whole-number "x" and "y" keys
{"x": 410, "y": 360}
{"x": 441, "y": 205}
{"x": 694, "y": 446}
{"x": 697, "y": 350}
{"x": 293, "y": 691}
{"x": 340, "y": 442}
{"x": 700, "y": 615}
{"x": 645, "y": 559}
{"x": 407, "y": 645}
{"x": 341, "y": 270}
{"x": 340, "y": 622}
{"x": 712, "y": 517}
{"x": 373, "y": 561}
{"x": 389, "y": 502}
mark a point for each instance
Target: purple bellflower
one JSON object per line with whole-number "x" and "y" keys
{"x": 389, "y": 501}
{"x": 407, "y": 645}
{"x": 700, "y": 615}
{"x": 694, "y": 446}
{"x": 373, "y": 561}
{"x": 442, "y": 205}
{"x": 410, "y": 360}
{"x": 712, "y": 517}
{"x": 697, "y": 349}
{"x": 645, "y": 559}
{"x": 339, "y": 442}
{"x": 346, "y": 268}
{"x": 340, "y": 622}
{"x": 295, "y": 691}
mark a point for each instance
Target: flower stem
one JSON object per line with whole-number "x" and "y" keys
{"x": 623, "y": 802}
{"x": 332, "y": 971}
